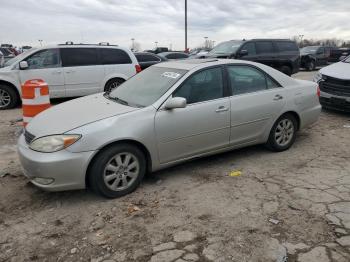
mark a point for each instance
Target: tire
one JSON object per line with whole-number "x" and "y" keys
{"x": 113, "y": 84}
{"x": 109, "y": 175}
{"x": 286, "y": 70}
{"x": 283, "y": 141}
{"x": 8, "y": 97}
{"x": 310, "y": 65}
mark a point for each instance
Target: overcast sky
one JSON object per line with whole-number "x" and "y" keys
{"x": 117, "y": 21}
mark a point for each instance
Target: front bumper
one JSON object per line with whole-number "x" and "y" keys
{"x": 341, "y": 103}
{"x": 67, "y": 170}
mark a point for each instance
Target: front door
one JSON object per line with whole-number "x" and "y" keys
{"x": 256, "y": 101}
{"x": 45, "y": 65}
{"x": 83, "y": 72}
{"x": 202, "y": 126}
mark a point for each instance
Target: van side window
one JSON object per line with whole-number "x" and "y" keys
{"x": 250, "y": 47}
{"x": 113, "y": 56}
{"x": 287, "y": 46}
{"x": 49, "y": 58}
{"x": 264, "y": 47}
{"x": 79, "y": 57}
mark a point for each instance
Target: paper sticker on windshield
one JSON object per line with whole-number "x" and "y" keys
{"x": 171, "y": 74}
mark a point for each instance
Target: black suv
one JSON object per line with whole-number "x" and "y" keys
{"x": 281, "y": 54}
{"x": 314, "y": 56}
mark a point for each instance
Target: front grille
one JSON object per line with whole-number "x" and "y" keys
{"x": 28, "y": 137}
{"x": 335, "y": 86}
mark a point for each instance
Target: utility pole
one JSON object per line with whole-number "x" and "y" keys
{"x": 206, "y": 42}
{"x": 185, "y": 25}
{"x": 156, "y": 42}
{"x": 133, "y": 43}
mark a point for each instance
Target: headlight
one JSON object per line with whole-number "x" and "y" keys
{"x": 317, "y": 77}
{"x": 49, "y": 144}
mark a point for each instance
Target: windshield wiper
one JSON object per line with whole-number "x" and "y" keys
{"x": 121, "y": 101}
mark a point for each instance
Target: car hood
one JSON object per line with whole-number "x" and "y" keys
{"x": 75, "y": 113}
{"x": 339, "y": 70}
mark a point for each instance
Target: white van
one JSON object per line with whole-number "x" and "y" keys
{"x": 70, "y": 70}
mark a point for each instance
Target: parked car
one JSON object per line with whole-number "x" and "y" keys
{"x": 70, "y": 70}
{"x": 167, "y": 114}
{"x": 314, "y": 56}
{"x": 199, "y": 53}
{"x": 334, "y": 82}
{"x": 7, "y": 53}
{"x": 157, "y": 50}
{"x": 338, "y": 53}
{"x": 2, "y": 59}
{"x": 146, "y": 59}
{"x": 280, "y": 54}
{"x": 174, "y": 55}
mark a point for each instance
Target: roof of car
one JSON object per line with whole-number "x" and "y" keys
{"x": 172, "y": 52}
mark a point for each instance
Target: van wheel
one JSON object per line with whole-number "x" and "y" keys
{"x": 117, "y": 171}
{"x": 8, "y": 97}
{"x": 283, "y": 133}
{"x": 113, "y": 84}
{"x": 310, "y": 66}
{"x": 286, "y": 70}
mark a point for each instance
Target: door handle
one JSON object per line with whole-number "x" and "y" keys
{"x": 221, "y": 109}
{"x": 70, "y": 71}
{"x": 278, "y": 97}
{"x": 57, "y": 72}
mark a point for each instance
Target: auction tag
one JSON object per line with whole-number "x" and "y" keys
{"x": 171, "y": 74}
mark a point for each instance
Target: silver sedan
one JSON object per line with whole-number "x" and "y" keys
{"x": 169, "y": 113}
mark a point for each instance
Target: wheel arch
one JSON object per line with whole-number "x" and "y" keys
{"x": 113, "y": 78}
{"x": 138, "y": 144}
{"x": 4, "y": 82}
{"x": 296, "y": 116}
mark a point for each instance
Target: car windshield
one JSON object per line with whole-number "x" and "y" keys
{"x": 226, "y": 47}
{"x": 146, "y": 87}
{"x": 309, "y": 49}
{"x": 19, "y": 58}
{"x": 347, "y": 60}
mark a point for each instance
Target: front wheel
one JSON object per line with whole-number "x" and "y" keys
{"x": 311, "y": 65}
{"x": 8, "y": 97}
{"x": 117, "y": 171}
{"x": 283, "y": 133}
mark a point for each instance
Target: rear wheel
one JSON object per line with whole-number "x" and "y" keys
{"x": 286, "y": 70}
{"x": 117, "y": 171}
{"x": 8, "y": 97}
{"x": 113, "y": 84}
{"x": 283, "y": 133}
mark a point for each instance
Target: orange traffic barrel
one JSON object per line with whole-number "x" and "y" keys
{"x": 35, "y": 98}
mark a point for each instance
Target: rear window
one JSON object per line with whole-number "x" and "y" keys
{"x": 176, "y": 56}
{"x": 111, "y": 56}
{"x": 287, "y": 46}
{"x": 146, "y": 58}
{"x": 79, "y": 57}
{"x": 264, "y": 47}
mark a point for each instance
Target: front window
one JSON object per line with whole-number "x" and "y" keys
{"x": 44, "y": 59}
{"x": 226, "y": 47}
{"x": 309, "y": 49}
{"x": 146, "y": 87}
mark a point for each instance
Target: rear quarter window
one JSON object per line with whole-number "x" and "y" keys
{"x": 287, "y": 46}
{"x": 112, "y": 56}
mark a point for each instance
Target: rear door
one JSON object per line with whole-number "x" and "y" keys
{"x": 46, "y": 65}
{"x": 256, "y": 101}
{"x": 266, "y": 53}
{"x": 83, "y": 72}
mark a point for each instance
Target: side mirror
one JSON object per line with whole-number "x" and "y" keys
{"x": 23, "y": 65}
{"x": 175, "y": 102}
{"x": 243, "y": 53}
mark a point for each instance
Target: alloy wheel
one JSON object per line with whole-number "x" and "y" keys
{"x": 284, "y": 132}
{"x": 121, "y": 171}
{"x": 5, "y": 98}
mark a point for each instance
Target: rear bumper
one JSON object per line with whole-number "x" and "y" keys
{"x": 341, "y": 103}
{"x": 310, "y": 116}
{"x": 64, "y": 169}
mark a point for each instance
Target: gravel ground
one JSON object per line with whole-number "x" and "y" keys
{"x": 293, "y": 204}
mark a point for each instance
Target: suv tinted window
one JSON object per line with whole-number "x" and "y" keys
{"x": 286, "y": 46}
{"x": 79, "y": 56}
{"x": 176, "y": 56}
{"x": 111, "y": 56}
{"x": 44, "y": 59}
{"x": 264, "y": 47}
{"x": 250, "y": 47}
{"x": 203, "y": 86}
{"x": 246, "y": 79}
{"x": 147, "y": 58}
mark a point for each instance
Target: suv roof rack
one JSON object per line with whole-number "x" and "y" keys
{"x": 100, "y": 44}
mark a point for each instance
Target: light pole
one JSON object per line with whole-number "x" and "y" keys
{"x": 185, "y": 25}
{"x": 40, "y": 41}
{"x": 205, "y": 42}
{"x": 133, "y": 43}
{"x": 156, "y": 42}
{"x": 301, "y": 39}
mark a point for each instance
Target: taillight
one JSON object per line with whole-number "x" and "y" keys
{"x": 138, "y": 68}
{"x": 318, "y": 91}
